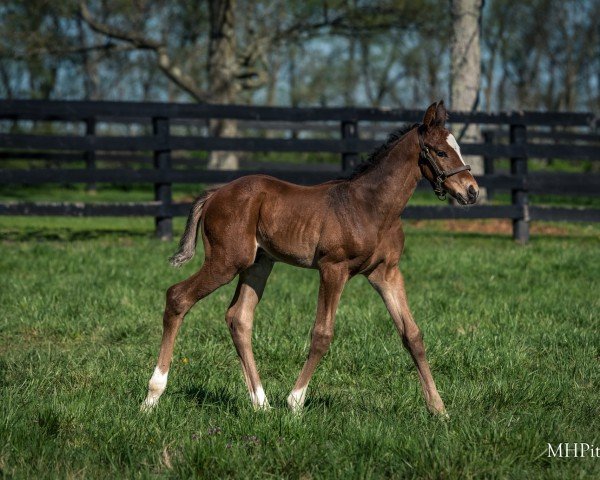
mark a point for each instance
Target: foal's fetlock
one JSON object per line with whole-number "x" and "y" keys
{"x": 439, "y": 410}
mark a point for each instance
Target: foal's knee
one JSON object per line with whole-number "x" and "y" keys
{"x": 239, "y": 325}
{"x": 321, "y": 340}
{"x": 413, "y": 340}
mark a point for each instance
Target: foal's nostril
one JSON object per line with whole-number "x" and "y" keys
{"x": 472, "y": 192}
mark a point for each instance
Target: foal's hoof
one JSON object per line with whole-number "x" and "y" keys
{"x": 437, "y": 408}
{"x": 296, "y": 411}
{"x": 443, "y": 415}
{"x": 295, "y": 401}
{"x": 147, "y": 406}
{"x": 296, "y": 408}
{"x": 265, "y": 407}
{"x": 440, "y": 413}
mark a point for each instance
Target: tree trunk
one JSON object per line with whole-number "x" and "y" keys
{"x": 222, "y": 71}
{"x": 466, "y": 70}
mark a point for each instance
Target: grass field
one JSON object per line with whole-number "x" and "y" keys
{"x": 512, "y": 337}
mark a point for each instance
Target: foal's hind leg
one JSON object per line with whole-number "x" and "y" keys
{"x": 388, "y": 282}
{"x": 180, "y": 298}
{"x": 240, "y": 317}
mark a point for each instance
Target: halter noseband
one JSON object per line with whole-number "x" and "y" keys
{"x": 440, "y": 174}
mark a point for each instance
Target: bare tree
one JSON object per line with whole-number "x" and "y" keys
{"x": 141, "y": 42}
{"x": 229, "y": 71}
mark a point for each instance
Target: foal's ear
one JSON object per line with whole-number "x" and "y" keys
{"x": 436, "y": 115}
{"x": 429, "y": 118}
{"x": 440, "y": 114}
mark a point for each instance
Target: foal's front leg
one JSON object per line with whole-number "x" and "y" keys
{"x": 388, "y": 282}
{"x": 332, "y": 284}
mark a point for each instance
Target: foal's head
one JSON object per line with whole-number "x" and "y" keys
{"x": 441, "y": 161}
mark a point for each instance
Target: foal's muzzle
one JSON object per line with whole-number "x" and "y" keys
{"x": 470, "y": 196}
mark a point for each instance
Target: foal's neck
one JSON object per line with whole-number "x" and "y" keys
{"x": 390, "y": 183}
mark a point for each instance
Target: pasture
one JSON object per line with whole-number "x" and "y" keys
{"x": 511, "y": 334}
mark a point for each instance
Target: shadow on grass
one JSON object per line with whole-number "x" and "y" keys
{"x": 470, "y": 235}
{"x": 69, "y": 235}
{"x": 219, "y": 397}
{"x": 222, "y": 398}
{"x": 414, "y": 232}
{"x": 320, "y": 402}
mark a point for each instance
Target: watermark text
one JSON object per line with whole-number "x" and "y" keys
{"x": 573, "y": 450}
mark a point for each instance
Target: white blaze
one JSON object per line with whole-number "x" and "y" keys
{"x": 450, "y": 140}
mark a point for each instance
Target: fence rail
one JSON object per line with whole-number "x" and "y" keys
{"x": 515, "y": 138}
{"x": 82, "y": 110}
{"x": 144, "y": 143}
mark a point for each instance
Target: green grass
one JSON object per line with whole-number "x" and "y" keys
{"x": 511, "y": 332}
{"x": 104, "y": 193}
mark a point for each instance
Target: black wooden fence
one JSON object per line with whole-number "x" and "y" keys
{"x": 577, "y": 140}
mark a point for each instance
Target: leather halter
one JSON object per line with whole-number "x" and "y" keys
{"x": 440, "y": 174}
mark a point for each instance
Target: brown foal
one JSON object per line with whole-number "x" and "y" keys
{"x": 341, "y": 228}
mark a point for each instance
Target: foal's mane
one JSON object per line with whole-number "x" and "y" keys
{"x": 378, "y": 154}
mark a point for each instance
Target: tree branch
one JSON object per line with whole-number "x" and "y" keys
{"x": 108, "y": 46}
{"x": 164, "y": 62}
{"x": 252, "y": 80}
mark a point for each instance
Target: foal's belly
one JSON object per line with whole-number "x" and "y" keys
{"x": 291, "y": 238}
{"x": 289, "y": 229}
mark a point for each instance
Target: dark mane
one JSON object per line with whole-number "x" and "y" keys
{"x": 379, "y": 153}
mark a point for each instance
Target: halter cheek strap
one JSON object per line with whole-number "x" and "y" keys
{"x": 441, "y": 175}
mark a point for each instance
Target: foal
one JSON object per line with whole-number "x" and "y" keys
{"x": 341, "y": 228}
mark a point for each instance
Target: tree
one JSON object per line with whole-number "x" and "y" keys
{"x": 315, "y": 52}
{"x": 465, "y": 75}
{"x": 222, "y": 74}
{"x": 229, "y": 71}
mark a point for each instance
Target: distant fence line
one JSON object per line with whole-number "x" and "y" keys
{"x": 515, "y": 142}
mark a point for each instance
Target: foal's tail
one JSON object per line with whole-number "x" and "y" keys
{"x": 187, "y": 244}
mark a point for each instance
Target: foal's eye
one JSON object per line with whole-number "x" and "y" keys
{"x": 441, "y": 154}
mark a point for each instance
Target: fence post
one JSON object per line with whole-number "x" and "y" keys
{"x": 518, "y": 166}
{"x": 90, "y": 155}
{"x": 162, "y": 189}
{"x": 488, "y": 160}
{"x": 349, "y": 131}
